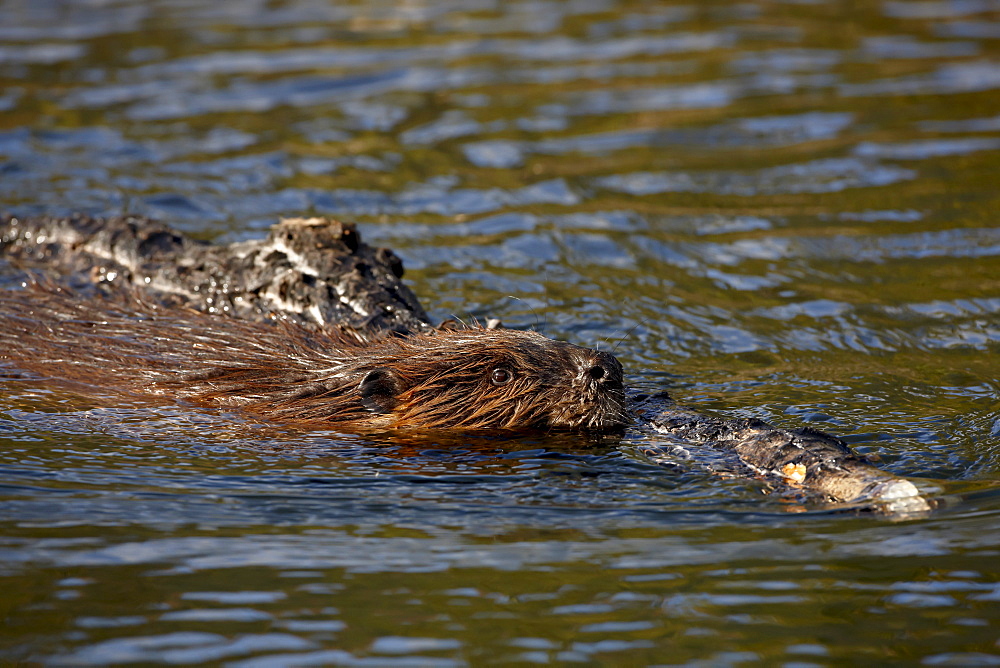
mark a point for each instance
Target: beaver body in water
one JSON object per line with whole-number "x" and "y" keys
{"x": 468, "y": 378}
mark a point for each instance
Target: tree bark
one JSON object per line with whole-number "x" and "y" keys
{"x": 811, "y": 460}
{"x": 308, "y": 269}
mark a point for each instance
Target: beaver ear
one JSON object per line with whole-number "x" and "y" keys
{"x": 380, "y": 390}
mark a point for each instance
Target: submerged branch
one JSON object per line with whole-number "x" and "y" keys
{"x": 812, "y": 460}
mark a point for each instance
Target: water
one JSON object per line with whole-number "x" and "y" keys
{"x": 776, "y": 210}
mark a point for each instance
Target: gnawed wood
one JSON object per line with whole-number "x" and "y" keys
{"x": 812, "y": 460}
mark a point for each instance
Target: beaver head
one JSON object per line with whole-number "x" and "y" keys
{"x": 494, "y": 379}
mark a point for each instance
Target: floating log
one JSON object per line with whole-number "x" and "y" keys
{"x": 808, "y": 459}
{"x": 307, "y": 269}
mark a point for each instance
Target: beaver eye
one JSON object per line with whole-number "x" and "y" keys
{"x": 501, "y": 377}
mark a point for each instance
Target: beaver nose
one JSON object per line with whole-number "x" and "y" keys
{"x": 606, "y": 371}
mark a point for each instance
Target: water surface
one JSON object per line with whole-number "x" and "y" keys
{"x": 775, "y": 210}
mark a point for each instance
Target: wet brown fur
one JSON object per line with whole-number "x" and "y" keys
{"x": 296, "y": 374}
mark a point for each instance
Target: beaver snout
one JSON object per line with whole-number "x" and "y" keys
{"x": 595, "y": 398}
{"x": 606, "y": 371}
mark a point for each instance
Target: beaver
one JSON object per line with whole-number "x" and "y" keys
{"x": 466, "y": 377}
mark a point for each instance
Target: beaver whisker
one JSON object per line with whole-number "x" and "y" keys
{"x": 627, "y": 334}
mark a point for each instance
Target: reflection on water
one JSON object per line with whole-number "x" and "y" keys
{"x": 778, "y": 210}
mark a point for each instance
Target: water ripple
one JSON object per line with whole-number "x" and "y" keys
{"x": 781, "y": 211}
{"x": 818, "y": 176}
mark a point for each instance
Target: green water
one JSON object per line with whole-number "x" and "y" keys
{"x": 775, "y": 210}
